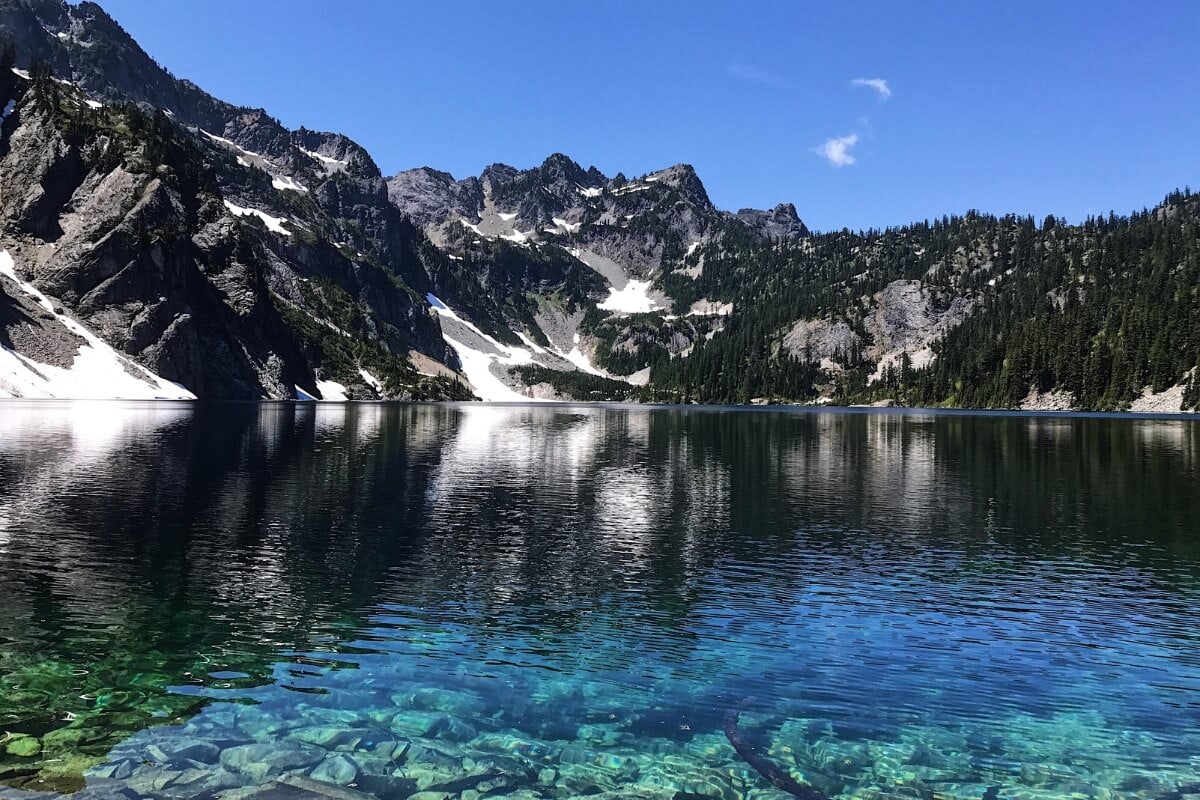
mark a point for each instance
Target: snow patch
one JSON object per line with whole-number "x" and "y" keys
{"x": 513, "y": 355}
{"x": 273, "y": 223}
{"x": 577, "y": 357}
{"x": 471, "y": 226}
{"x": 517, "y": 237}
{"x": 20, "y": 73}
{"x": 569, "y": 227}
{"x": 332, "y": 391}
{"x": 592, "y": 191}
{"x": 98, "y": 371}
{"x": 283, "y": 182}
{"x": 634, "y": 298}
{"x": 506, "y": 217}
{"x": 582, "y": 362}
{"x": 328, "y": 161}
{"x": 94, "y": 103}
{"x": 232, "y": 145}
{"x": 530, "y": 343}
{"x": 250, "y": 159}
{"x": 371, "y": 380}
{"x": 477, "y": 365}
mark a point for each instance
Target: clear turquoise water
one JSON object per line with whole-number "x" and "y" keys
{"x": 436, "y": 601}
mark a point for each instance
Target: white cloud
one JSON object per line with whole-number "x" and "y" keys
{"x": 878, "y": 84}
{"x": 749, "y": 72}
{"x": 837, "y": 150}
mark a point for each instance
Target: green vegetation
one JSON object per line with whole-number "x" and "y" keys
{"x": 340, "y": 334}
{"x": 1101, "y": 310}
{"x": 738, "y": 365}
{"x": 630, "y": 343}
{"x": 499, "y": 285}
{"x": 579, "y": 385}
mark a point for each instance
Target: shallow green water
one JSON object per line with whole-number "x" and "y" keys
{"x": 435, "y": 601}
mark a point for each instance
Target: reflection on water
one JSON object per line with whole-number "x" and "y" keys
{"x": 444, "y": 601}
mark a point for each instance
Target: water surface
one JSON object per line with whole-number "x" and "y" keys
{"x": 544, "y": 602}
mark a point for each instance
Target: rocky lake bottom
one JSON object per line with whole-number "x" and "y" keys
{"x": 436, "y": 602}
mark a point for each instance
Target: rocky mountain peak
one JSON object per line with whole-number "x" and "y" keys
{"x": 560, "y": 164}
{"x": 498, "y": 174}
{"x": 781, "y": 222}
{"x": 430, "y": 197}
{"x": 336, "y": 152}
{"x": 683, "y": 178}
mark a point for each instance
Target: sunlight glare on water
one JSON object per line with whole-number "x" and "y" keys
{"x": 469, "y": 601}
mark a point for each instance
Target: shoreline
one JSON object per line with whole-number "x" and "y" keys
{"x": 865, "y": 410}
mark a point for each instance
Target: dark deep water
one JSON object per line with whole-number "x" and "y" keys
{"x": 480, "y": 601}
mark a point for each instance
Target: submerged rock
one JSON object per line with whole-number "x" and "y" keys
{"x": 24, "y": 746}
{"x": 204, "y": 752}
{"x": 105, "y": 791}
{"x": 118, "y": 770}
{"x": 448, "y": 701}
{"x": 417, "y": 723}
{"x": 339, "y": 769}
{"x": 268, "y": 759}
{"x": 335, "y": 738}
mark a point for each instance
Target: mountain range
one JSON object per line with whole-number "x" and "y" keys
{"x": 156, "y": 241}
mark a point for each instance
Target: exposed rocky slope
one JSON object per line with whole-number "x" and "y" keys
{"x": 249, "y": 262}
{"x": 640, "y": 225}
{"x": 517, "y": 238}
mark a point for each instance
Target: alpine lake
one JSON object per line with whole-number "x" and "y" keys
{"x": 270, "y": 601}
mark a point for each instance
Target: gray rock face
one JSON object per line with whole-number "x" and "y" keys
{"x": 429, "y": 197}
{"x": 907, "y": 316}
{"x": 206, "y": 241}
{"x": 512, "y": 234}
{"x": 126, "y": 221}
{"x": 822, "y": 340}
{"x": 781, "y": 222}
{"x": 640, "y": 224}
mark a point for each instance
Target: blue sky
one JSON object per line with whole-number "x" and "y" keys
{"x": 1068, "y": 108}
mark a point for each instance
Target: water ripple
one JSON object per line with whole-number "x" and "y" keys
{"x": 915, "y": 604}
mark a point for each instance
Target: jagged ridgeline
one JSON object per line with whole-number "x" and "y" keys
{"x": 269, "y": 267}
{"x": 158, "y": 242}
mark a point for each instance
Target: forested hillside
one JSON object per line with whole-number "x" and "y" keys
{"x": 1102, "y": 310}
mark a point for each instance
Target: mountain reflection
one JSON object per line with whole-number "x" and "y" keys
{"x": 145, "y": 547}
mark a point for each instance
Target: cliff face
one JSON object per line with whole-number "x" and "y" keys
{"x": 200, "y": 268}
{"x": 203, "y": 241}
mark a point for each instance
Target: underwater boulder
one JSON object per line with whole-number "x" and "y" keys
{"x": 23, "y": 746}
{"x": 268, "y": 759}
{"x": 338, "y": 769}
